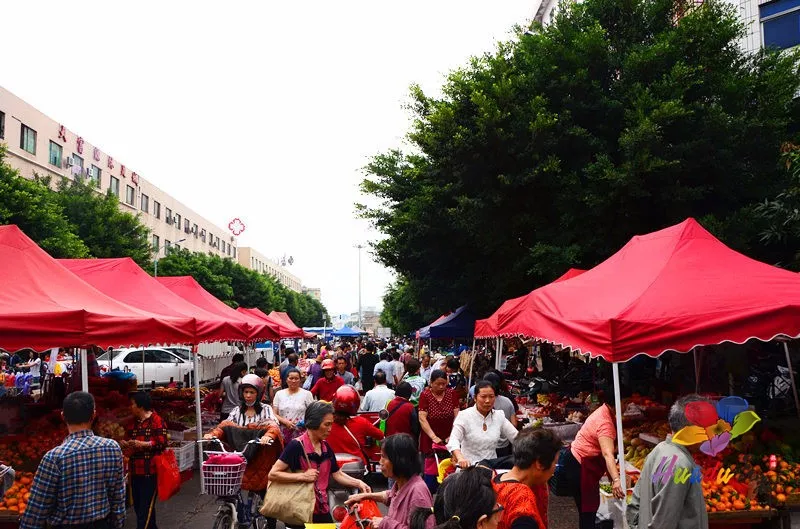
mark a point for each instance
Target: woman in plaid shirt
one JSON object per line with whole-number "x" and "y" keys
{"x": 146, "y": 438}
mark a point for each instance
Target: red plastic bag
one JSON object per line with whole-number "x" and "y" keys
{"x": 168, "y": 476}
{"x": 367, "y": 510}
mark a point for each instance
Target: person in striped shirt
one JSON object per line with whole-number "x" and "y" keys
{"x": 79, "y": 484}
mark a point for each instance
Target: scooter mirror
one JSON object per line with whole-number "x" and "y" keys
{"x": 383, "y": 414}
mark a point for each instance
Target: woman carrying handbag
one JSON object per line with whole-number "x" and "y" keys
{"x": 298, "y": 490}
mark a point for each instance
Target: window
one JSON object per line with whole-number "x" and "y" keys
{"x": 780, "y": 21}
{"x": 135, "y": 357}
{"x": 167, "y": 244}
{"x": 130, "y": 195}
{"x": 27, "y": 139}
{"x": 94, "y": 175}
{"x": 177, "y": 246}
{"x": 178, "y": 220}
{"x": 55, "y": 154}
{"x": 234, "y": 252}
{"x": 78, "y": 162}
{"x": 156, "y": 243}
{"x": 2, "y": 125}
{"x": 194, "y": 230}
{"x": 157, "y": 209}
{"x": 114, "y": 186}
{"x": 229, "y": 249}
{"x": 144, "y": 203}
{"x": 168, "y": 215}
{"x": 186, "y": 225}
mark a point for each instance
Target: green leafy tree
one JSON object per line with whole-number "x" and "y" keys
{"x": 402, "y": 311}
{"x": 29, "y": 204}
{"x": 782, "y": 214}
{"x": 558, "y": 147}
{"x": 238, "y": 286}
{"x": 104, "y": 228}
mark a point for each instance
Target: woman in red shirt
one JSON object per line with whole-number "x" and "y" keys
{"x": 349, "y": 431}
{"x": 438, "y": 407}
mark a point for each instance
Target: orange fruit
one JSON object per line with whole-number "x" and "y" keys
{"x": 781, "y": 498}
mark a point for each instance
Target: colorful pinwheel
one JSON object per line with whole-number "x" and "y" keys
{"x": 713, "y": 427}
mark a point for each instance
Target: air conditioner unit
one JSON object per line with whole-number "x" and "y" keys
{"x": 88, "y": 171}
{"x": 68, "y": 161}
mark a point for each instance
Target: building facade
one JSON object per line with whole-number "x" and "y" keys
{"x": 252, "y": 259}
{"x": 37, "y": 144}
{"x": 315, "y": 293}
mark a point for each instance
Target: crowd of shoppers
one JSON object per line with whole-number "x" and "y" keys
{"x": 80, "y": 484}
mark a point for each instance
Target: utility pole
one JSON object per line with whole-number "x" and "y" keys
{"x": 359, "y": 246}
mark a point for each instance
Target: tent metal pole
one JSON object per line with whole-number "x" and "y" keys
{"x": 791, "y": 377}
{"x": 198, "y": 411}
{"x": 84, "y": 371}
{"x": 620, "y": 442}
{"x": 471, "y": 363}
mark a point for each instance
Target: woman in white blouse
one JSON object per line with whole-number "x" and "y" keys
{"x": 290, "y": 405}
{"x": 478, "y": 430}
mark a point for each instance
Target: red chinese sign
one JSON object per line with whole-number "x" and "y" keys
{"x": 110, "y": 162}
{"x": 96, "y": 154}
{"x": 135, "y": 178}
{"x": 79, "y": 143}
{"x": 122, "y": 170}
{"x": 62, "y": 133}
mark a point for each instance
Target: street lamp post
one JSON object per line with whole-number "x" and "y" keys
{"x": 359, "y": 246}
{"x": 158, "y": 250}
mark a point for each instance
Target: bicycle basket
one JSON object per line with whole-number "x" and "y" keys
{"x": 223, "y": 479}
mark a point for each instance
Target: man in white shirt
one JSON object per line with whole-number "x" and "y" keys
{"x": 426, "y": 369}
{"x": 386, "y": 366}
{"x": 375, "y": 400}
{"x": 398, "y": 368}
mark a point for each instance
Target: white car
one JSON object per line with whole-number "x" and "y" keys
{"x": 158, "y": 364}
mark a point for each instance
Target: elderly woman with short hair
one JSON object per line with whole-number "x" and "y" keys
{"x": 312, "y": 444}
{"x": 667, "y": 502}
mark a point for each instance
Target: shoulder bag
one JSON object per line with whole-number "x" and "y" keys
{"x": 291, "y": 503}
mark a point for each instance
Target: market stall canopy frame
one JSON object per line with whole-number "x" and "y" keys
{"x": 672, "y": 289}
{"x": 189, "y": 289}
{"x": 44, "y": 305}
{"x": 123, "y": 280}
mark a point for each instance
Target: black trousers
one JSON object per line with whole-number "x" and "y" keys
{"x": 586, "y": 520}
{"x": 144, "y": 490}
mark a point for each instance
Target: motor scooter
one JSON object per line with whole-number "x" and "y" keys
{"x": 354, "y": 467}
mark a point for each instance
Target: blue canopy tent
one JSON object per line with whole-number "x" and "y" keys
{"x": 348, "y": 331}
{"x": 457, "y": 324}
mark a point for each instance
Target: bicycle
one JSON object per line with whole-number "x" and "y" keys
{"x": 224, "y": 480}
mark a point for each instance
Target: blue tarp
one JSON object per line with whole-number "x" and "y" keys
{"x": 347, "y": 331}
{"x": 458, "y": 324}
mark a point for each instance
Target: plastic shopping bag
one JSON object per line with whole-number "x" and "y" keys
{"x": 168, "y": 476}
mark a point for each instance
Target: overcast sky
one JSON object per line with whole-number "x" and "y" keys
{"x": 262, "y": 110}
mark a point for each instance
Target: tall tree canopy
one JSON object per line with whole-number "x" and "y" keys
{"x": 239, "y": 286}
{"x": 555, "y": 149}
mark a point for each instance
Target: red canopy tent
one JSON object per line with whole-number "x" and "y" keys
{"x": 44, "y": 305}
{"x": 125, "y": 281}
{"x": 287, "y": 327}
{"x": 673, "y": 289}
{"x": 488, "y": 328}
{"x": 190, "y": 290}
